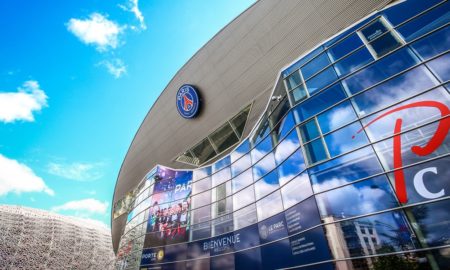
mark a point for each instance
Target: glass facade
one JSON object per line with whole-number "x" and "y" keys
{"x": 349, "y": 171}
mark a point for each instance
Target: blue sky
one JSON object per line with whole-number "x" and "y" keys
{"x": 76, "y": 79}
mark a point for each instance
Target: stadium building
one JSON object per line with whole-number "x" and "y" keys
{"x": 37, "y": 239}
{"x": 306, "y": 135}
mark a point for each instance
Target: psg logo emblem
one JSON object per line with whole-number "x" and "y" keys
{"x": 188, "y": 101}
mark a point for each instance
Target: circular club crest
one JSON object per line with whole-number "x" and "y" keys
{"x": 188, "y": 101}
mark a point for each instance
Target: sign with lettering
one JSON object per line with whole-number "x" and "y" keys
{"x": 188, "y": 101}
{"x": 433, "y": 144}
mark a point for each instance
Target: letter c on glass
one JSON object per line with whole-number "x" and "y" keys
{"x": 420, "y": 186}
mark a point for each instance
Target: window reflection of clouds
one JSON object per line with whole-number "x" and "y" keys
{"x": 266, "y": 184}
{"x": 433, "y": 44}
{"x": 291, "y": 167}
{"x": 411, "y": 117}
{"x": 243, "y": 197}
{"x": 363, "y": 197}
{"x": 240, "y": 165}
{"x": 265, "y": 165}
{"x": 420, "y": 137}
{"x": 336, "y": 117}
{"x": 380, "y": 70}
{"x": 440, "y": 66}
{"x": 296, "y": 190}
{"x": 269, "y": 206}
{"x": 342, "y": 141}
{"x": 286, "y": 147}
{"x": 242, "y": 180}
{"x": 398, "y": 88}
{"x": 221, "y": 176}
{"x": 245, "y": 216}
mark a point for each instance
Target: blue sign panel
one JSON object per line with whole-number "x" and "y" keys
{"x": 188, "y": 101}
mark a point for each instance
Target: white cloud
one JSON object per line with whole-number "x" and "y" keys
{"x": 76, "y": 171}
{"x": 17, "y": 177}
{"x": 20, "y": 105}
{"x": 96, "y": 30}
{"x": 115, "y": 66}
{"x": 133, "y": 6}
{"x": 86, "y": 205}
{"x": 94, "y": 222}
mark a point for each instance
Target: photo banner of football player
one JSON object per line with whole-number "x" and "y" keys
{"x": 169, "y": 214}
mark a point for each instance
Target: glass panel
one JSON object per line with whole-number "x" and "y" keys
{"x": 269, "y": 206}
{"x": 201, "y": 185}
{"x": 383, "y": 233}
{"x": 201, "y": 173}
{"x": 336, "y": 117}
{"x": 201, "y": 199}
{"x": 266, "y": 184}
{"x": 224, "y": 137}
{"x": 239, "y": 121}
{"x": 291, "y": 167}
{"x": 342, "y": 170}
{"x": 222, "y": 224}
{"x": 302, "y": 61}
{"x": 315, "y": 151}
{"x": 200, "y": 230}
{"x": 241, "y": 165}
{"x": 315, "y": 65}
{"x": 433, "y": 44}
{"x": 262, "y": 131}
{"x": 263, "y": 166}
{"x": 296, "y": 190}
{"x": 221, "y": 176}
{"x": 394, "y": 90}
{"x": 242, "y": 149}
{"x": 374, "y": 30}
{"x": 319, "y": 103}
{"x": 411, "y": 117}
{"x": 242, "y": 180}
{"x": 354, "y": 61}
{"x": 404, "y": 10}
{"x": 432, "y": 222}
{"x": 357, "y": 199}
{"x": 278, "y": 113}
{"x": 380, "y": 70}
{"x": 286, "y": 147}
{"x": 200, "y": 215}
{"x": 345, "y": 139}
{"x": 293, "y": 80}
{"x": 203, "y": 151}
{"x": 441, "y": 67}
{"x": 417, "y": 137}
{"x": 426, "y": 22}
{"x": 243, "y": 198}
{"x": 245, "y": 216}
{"x": 385, "y": 44}
{"x": 380, "y": 39}
{"x": 286, "y": 125}
{"x": 298, "y": 93}
{"x": 309, "y": 131}
{"x": 321, "y": 80}
{"x": 344, "y": 47}
{"x": 427, "y": 181}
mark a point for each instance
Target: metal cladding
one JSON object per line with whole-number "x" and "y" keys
{"x": 37, "y": 239}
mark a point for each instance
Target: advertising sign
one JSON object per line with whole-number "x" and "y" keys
{"x": 302, "y": 216}
{"x": 431, "y": 146}
{"x": 168, "y": 220}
